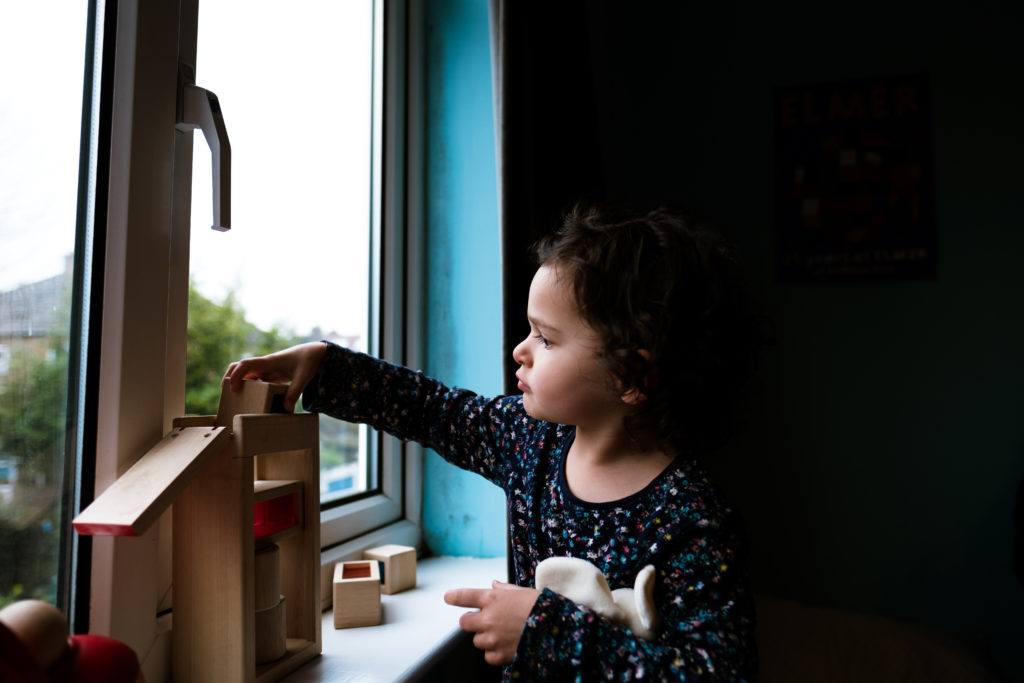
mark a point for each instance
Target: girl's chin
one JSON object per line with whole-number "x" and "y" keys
{"x": 530, "y": 406}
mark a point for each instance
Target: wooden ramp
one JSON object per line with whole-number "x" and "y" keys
{"x": 140, "y": 495}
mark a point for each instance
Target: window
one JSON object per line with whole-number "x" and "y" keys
{"x": 295, "y": 266}
{"x": 41, "y": 117}
{"x": 143, "y": 200}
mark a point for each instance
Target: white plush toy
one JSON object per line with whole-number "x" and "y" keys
{"x": 583, "y": 583}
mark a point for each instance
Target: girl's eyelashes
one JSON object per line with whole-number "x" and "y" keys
{"x": 543, "y": 340}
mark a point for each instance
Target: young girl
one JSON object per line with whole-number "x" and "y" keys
{"x": 640, "y": 337}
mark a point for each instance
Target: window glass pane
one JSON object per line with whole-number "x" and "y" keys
{"x": 41, "y": 66}
{"x": 295, "y": 85}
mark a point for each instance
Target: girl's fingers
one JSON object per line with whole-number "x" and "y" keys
{"x": 466, "y": 597}
{"x": 295, "y": 366}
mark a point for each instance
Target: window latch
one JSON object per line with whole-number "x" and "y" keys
{"x": 199, "y": 108}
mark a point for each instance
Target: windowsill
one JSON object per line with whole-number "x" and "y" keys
{"x": 416, "y": 626}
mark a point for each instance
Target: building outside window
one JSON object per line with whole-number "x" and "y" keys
{"x": 40, "y": 132}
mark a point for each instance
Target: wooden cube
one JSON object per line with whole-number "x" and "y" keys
{"x": 356, "y": 594}
{"x": 397, "y": 567}
{"x": 255, "y": 397}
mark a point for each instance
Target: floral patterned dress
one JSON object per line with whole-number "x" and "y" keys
{"x": 678, "y": 523}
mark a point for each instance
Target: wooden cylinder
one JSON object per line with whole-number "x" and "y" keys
{"x": 271, "y": 642}
{"x": 267, "y": 577}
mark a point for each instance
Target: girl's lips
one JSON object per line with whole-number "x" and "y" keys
{"x": 523, "y": 387}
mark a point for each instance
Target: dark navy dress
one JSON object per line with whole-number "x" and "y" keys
{"x": 678, "y": 523}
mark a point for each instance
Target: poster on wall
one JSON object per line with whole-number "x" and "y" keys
{"x": 854, "y": 195}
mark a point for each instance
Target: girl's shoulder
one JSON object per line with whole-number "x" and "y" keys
{"x": 687, "y": 495}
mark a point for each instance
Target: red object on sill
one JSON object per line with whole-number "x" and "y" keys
{"x": 275, "y": 515}
{"x": 87, "y": 659}
{"x": 98, "y": 658}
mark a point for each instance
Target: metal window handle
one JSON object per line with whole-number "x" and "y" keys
{"x": 201, "y": 109}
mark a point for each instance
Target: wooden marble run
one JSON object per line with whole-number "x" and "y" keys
{"x": 246, "y": 570}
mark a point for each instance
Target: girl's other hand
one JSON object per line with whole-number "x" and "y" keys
{"x": 499, "y": 620}
{"x": 295, "y": 365}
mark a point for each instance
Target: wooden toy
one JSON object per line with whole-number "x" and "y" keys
{"x": 222, "y": 473}
{"x": 277, "y": 510}
{"x": 356, "y": 594}
{"x": 270, "y": 632}
{"x": 271, "y": 638}
{"x": 267, "y": 573}
{"x": 397, "y": 567}
{"x": 140, "y": 495}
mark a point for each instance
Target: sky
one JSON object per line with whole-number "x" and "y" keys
{"x": 42, "y": 52}
{"x": 295, "y": 91}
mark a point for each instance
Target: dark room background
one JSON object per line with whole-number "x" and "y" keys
{"x": 880, "y": 459}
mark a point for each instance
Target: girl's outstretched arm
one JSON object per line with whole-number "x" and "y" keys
{"x": 468, "y": 430}
{"x": 295, "y": 365}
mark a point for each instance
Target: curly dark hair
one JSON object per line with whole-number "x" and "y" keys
{"x": 670, "y": 302}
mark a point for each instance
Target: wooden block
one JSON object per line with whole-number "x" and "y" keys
{"x": 195, "y": 421}
{"x": 398, "y": 564}
{"x": 214, "y": 575}
{"x": 268, "y": 577}
{"x": 258, "y": 434}
{"x": 254, "y": 397}
{"x": 139, "y": 496}
{"x": 356, "y": 594}
{"x": 271, "y": 642}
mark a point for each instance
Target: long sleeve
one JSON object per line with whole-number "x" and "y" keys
{"x": 469, "y": 430}
{"x": 678, "y": 523}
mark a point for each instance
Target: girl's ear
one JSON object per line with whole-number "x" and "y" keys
{"x": 634, "y": 396}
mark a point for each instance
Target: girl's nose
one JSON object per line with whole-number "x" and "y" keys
{"x": 520, "y": 354}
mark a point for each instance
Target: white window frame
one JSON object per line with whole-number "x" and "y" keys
{"x": 395, "y": 335}
{"x": 145, "y": 306}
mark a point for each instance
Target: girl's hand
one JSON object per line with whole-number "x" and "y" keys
{"x": 295, "y": 365}
{"x": 499, "y": 621}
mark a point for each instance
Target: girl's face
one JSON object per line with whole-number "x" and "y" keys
{"x": 560, "y": 376}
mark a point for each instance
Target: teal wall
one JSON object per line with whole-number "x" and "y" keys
{"x": 462, "y": 513}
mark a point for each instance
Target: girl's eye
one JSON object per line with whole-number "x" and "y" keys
{"x": 543, "y": 340}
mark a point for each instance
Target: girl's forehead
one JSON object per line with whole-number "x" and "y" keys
{"x": 551, "y": 287}
{"x": 558, "y": 274}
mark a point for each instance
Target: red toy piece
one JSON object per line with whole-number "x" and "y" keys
{"x": 35, "y": 648}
